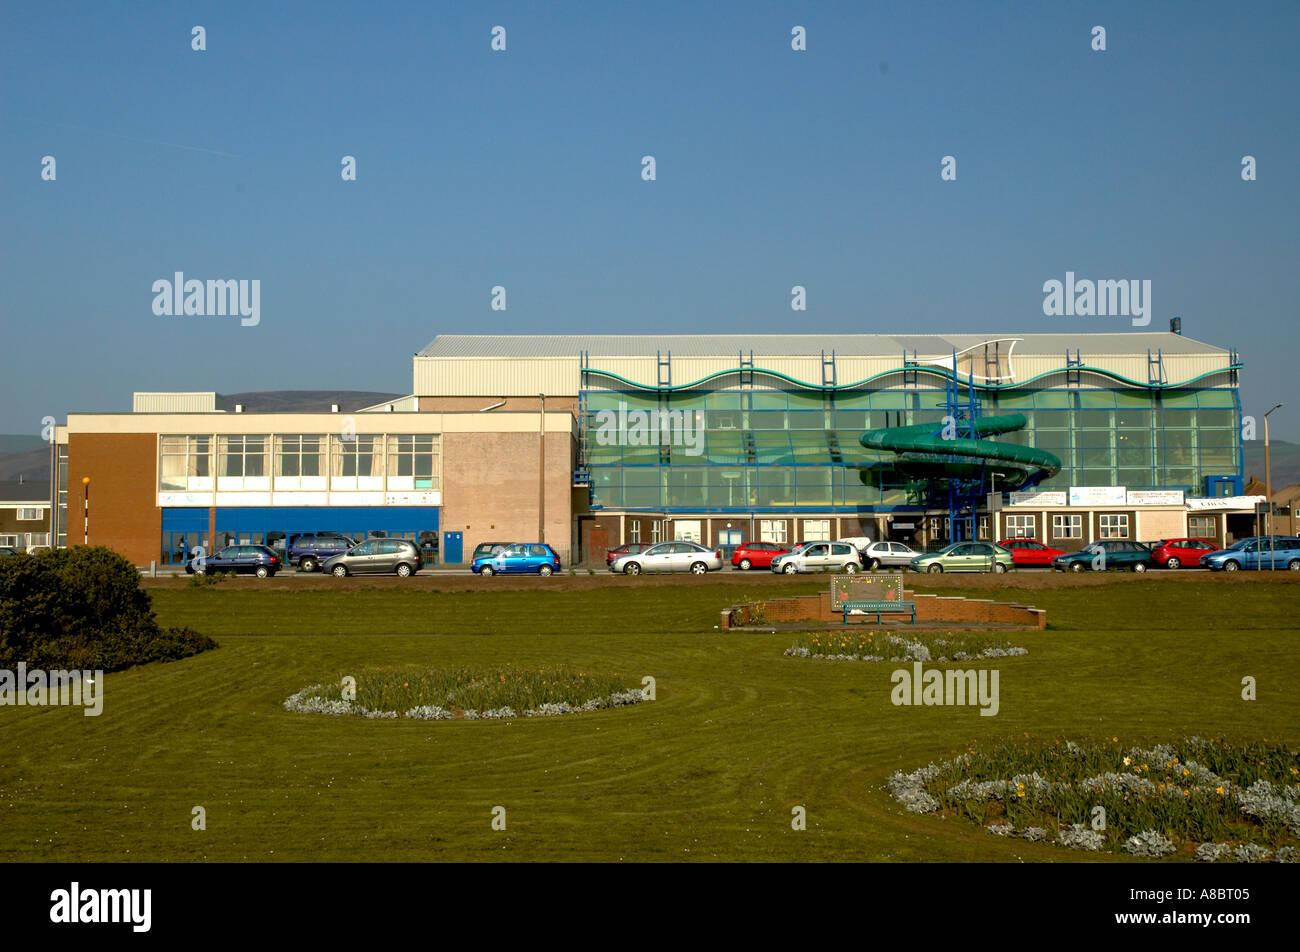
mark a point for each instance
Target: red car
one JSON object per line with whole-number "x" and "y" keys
{"x": 1030, "y": 552}
{"x": 630, "y": 548}
{"x": 756, "y": 555}
{"x": 1175, "y": 553}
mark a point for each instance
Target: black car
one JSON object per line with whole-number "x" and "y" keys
{"x": 311, "y": 550}
{"x": 241, "y": 559}
{"x": 5, "y": 550}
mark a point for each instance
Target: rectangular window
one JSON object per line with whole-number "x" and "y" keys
{"x": 634, "y": 530}
{"x": 816, "y": 530}
{"x": 771, "y": 530}
{"x": 983, "y": 531}
{"x": 1066, "y": 526}
{"x": 299, "y": 455}
{"x": 656, "y": 531}
{"x": 414, "y": 460}
{"x": 31, "y": 515}
{"x": 1200, "y": 527}
{"x": 241, "y": 456}
{"x": 1022, "y": 527}
{"x": 356, "y": 456}
{"x": 1114, "y": 525}
{"x": 185, "y": 463}
{"x": 686, "y": 530}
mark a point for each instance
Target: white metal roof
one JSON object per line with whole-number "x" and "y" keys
{"x": 790, "y": 345}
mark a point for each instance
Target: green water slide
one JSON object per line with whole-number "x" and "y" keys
{"x": 924, "y": 453}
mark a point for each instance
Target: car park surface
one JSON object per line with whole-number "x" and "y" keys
{"x": 819, "y": 557}
{"x": 670, "y": 557}
{"x": 965, "y": 557}
{"x": 518, "y": 558}
{"x": 376, "y": 557}
{"x": 1103, "y": 554}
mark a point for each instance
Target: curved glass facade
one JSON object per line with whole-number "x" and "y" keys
{"x": 790, "y": 449}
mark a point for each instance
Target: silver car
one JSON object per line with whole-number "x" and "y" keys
{"x": 888, "y": 555}
{"x": 820, "y": 557}
{"x": 376, "y": 556}
{"x": 670, "y": 557}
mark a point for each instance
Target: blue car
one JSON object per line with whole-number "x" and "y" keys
{"x": 1259, "y": 552}
{"x": 241, "y": 559}
{"x": 518, "y": 558}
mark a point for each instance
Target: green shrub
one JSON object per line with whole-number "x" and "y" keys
{"x": 84, "y": 608}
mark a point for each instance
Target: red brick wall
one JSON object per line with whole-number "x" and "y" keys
{"x": 123, "y": 471}
{"x": 938, "y": 608}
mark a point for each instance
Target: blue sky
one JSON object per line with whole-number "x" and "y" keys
{"x": 522, "y": 169}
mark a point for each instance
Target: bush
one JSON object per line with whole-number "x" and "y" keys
{"x": 84, "y": 608}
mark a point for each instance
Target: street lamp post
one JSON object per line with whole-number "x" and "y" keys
{"x": 85, "y": 509}
{"x": 1268, "y": 486}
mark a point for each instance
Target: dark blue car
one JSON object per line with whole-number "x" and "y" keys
{"x": 241, "y": 559}
{"x": 518, "y": 558}
{"x": 312, "y": 550}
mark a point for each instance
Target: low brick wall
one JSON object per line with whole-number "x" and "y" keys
{"x": 932, "y": 608}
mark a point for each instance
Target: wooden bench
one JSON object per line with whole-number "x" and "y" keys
{"x": 878, "y": 609}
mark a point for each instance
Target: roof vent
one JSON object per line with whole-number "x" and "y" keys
{"x": 239, "y": 408}
{"x": 334, "y": 408}
{"x": 1176, "y": 325}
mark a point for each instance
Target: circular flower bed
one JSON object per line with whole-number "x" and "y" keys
{"x": 465, "y": 693}
{"x": 859, "y": 645}
{"x": 1208, "y": 799}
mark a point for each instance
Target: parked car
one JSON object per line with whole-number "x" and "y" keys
{"x": 376, "y": 557}
{"x": 858, "y": 542}
{"x": 1030, "y": 552}
{"x": 628, "y": 548}
{"x": 527, "y": 558}
{"x": 1118, "y": 554}
{"x": 1175, "y": 553}
{"x": 965, "y": 557}
{"x": 486, "y": 548}
{"x": 819, "y": 557}
{"x": 888, "y": 555}
{"x": 1259, "y": 552}
{"x": 5, "y": 550}
{"x": 241, "y": 559}
{"x": 756, "y": 555}
{"x": 670, "y": 557}
{"x": 309, "y": 550}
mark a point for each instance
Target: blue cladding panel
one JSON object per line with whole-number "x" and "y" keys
{"x": 185, "y": 520}
{"x": 358, "y": 520}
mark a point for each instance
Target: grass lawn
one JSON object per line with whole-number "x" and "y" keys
{"x": 738, "y": 736}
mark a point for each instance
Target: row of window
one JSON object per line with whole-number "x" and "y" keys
{"x": 29, "y": 515}
{"x": 189, "y": 463}
{"x": 1109, "y": 526}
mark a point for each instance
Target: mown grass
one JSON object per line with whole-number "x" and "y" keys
{"x": 738, "y": 734}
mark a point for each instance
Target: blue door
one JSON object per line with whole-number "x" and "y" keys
{"x": 453, "y": 547}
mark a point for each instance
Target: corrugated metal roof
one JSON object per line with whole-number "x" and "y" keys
{"x": 29, "y": 490}
{"x": 790, "y": 345}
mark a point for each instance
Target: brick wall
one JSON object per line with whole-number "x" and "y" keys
{"x": 124, "y": 513}
{"x": 935, "y": 608}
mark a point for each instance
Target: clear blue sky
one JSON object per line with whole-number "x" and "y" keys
{"x": 522, "y": 169}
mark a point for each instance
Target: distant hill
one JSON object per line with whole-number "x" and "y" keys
{"x": 307, "y": 401}
{"x": 28, "y": 457}
{"x": 18, "y": 442}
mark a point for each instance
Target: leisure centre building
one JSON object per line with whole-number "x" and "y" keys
{"x": 587, "y": 442}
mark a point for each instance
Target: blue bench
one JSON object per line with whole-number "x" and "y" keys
{"x": 878, "y": 609}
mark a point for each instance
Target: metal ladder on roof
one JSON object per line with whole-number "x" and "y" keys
{"x": 1073, "y": 375}
{"x": 1156, "y": 369}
